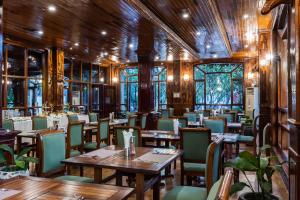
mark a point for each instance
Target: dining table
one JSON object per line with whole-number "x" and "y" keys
{"x": 159, "y": 136}
{"x": 44, "y": 188}
{"x": 147, "y": 162}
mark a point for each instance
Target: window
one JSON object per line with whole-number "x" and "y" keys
{"x": 129, "y": 89}
{"x": 219, "y": 85}
{"x": 159, "y": 80}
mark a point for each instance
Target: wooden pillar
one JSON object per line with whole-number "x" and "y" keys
{"x": 1, "y": 57}
{"x": 294, "y": 100}
{"x": 55, "y": 77}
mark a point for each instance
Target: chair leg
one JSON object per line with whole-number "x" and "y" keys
{"x": 118, "y": 179}
{"x": 174, "y": 164}
{"x": 182, "y": 179}
{"x": 189, "y": 180}
{"x": 81, "y": 171}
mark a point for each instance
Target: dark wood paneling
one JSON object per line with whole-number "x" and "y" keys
{"x": 1, "y": 56}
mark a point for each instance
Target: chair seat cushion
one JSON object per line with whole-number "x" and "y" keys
{"x": 75, "y": 178}
{"x": 245, "y": 138}
{"x": 93, "y": 145}
{"x": 194, "y": 167}
{"x": 75, "y": 153}
{"x": 186, "y": 193}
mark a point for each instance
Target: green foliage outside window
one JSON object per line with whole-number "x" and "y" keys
{"x": 159, "y": 80}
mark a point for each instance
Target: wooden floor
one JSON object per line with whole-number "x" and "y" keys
{"x": 279, "y": 188}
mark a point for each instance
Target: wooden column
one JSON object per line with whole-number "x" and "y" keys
{"x": 1, "y": 57}
{"x": 55, "y": 77}
{"x": 294, "y": 100}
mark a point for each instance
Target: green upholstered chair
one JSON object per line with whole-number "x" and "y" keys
{"x": 73, "y": 118}
{"x": 143, "y": 121}
{"x": 194, "y": 158}
{"x": 93, "y": 117}
{"x": 165, "y": 124}
{"x": 206, "y": 113}
{"x": 102, "y": 136}
{"x": 192, "y": 117}
{"x": 132, "y": 120}
{"x": 165, "y": 113}
{"x": 216, "y": 124}
{"x": 171, "y": 112}
{"x": 39, "y": 123}
{"x": 75, "y": 139}
{"x": 8, "y": 124}
{"x": 229, "y": 117}
{"x": 51, "y": 151}
{"x": 219, "y": 190}
{"x": 120, "y": 139}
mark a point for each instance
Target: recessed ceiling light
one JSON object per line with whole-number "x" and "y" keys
{"x": 156, "y": 57}
{"x": 245, "y": 16}
{"x": 208, "y": 46}
{"x": 130, "y": 46}
{"x": 40, "y": 32}
{"x": 105, "y": 53}
{"x": 103, "y": 32}
{"x": 51, "y": 8}
{"x": 198, "y": 33}
{"x": 185, "y": 15}
{"x": 128, "y": 61}
{"x": 76, "y": 44}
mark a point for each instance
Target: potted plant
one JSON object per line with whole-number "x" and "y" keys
{"x": 263, "y": 168}
{"x": 14, "y": 164}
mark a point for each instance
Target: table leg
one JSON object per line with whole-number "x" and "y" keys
{"x": 19, "y": 142}
{"x": 156, "y": 190}
{"x": 98, "y": 175}
{"x": 140, "y": 186}
{"x": 119, "y": 179}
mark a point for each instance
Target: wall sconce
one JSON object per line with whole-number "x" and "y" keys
{"x": 114, "y": 79}
{"x": 186, "y": 77}
{"x": 170, "y": 78}
{"x": 101, "y": 79}
{"x": 250, "y": 75}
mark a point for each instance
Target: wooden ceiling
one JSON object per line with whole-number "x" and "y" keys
{"x": 215, "y": 28}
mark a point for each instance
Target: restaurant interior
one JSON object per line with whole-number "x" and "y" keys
{"x": 150, "y": 99}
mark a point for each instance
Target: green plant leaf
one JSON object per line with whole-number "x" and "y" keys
{"x": 237, "y": 187}
{"x": 249, "y": 157}
{"x": 29, "y": 159}
{"x": 7, "y": 148}
{"x": 266, "y": 187}
{"x": 244, "y": 165}
{"x": 20, "y": 164}
{"x": 24, "y": 151}
{"x": 264, "y": 162}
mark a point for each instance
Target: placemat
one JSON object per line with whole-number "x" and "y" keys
{"x": 102, "y": 153}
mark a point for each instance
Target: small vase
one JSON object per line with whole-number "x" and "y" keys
{"x": 255, "y": 196}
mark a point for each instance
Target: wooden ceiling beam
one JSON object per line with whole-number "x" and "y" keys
{"x": 220, "y": 23}
{"x": 148, "y": 14}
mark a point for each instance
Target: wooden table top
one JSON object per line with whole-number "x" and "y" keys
{"x": 90, "y": 128}
{"x": 118, "y": 122}
{"x": 159, "y": 135}
{"x": 42, "y": 188}
{"x": 138, "y": 163}
{"x": 234, "y": 125}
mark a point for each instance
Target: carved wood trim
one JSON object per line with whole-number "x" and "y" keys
{"x": 271, "y": 4}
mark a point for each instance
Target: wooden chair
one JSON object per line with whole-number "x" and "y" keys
{"x": 216, "y": 124}
{"x": 143, "y": 121}
{"x": 229, "y": 117}
{"x": 165, "y": 124}
{"x": 75, "y": 139}
{"x": 51, "y": 151}
{"x": 183, "y": 121}
{"x": 219, "y": 190}
{"x": 118, "y": 131}
{"x": 8, "y": 124}
{"x": 73, "y": 118}
{"x": 39, "y": 123}
{"x": 164, "y": 113}
{"x": 102, "y": 135}
{"x": 132, "y": 120}
{"x": 171, "y": 112}
{"x": 194, "y": 158}
{"x": 93, "y": 117}
{"x": 191, "y": 116}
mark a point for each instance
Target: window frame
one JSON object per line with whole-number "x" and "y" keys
{"x": 159, "y": 81}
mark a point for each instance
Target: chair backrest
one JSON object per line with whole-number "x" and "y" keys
{"x": 216, "y": 124}
{"x": 103, "y": 129}
{"x": 8, "y": 124}
{"x": 206, "y": 113}
{"x": 191, "y": 116}
{"x": 51, "y": 150}
{"x": 144, "y": 120}
{"x": 164, "y": 113}
{"x": 165, "y": 124}
{"x": 132, "y": 120}
{"x": 171, "y": 112}
{"x": 191, "y": 139}
{"x": 221, "y": 189}
{"x": 183, "y": 121}
{"x": 119, "y": 135}
{"x": 93, "y": 117}
{"x": 39, "y": 123}
{"x": 74, "y": 136}
{"x": 229, "y": 117}
{"x": 72, "y": 118}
